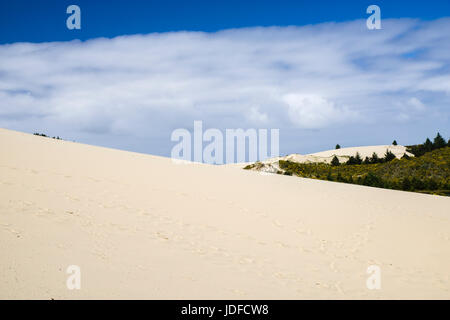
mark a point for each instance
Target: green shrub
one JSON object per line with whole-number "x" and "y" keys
{"x": 429, "y": 173}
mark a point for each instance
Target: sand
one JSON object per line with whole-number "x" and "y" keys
{"x": 143, "y": 227}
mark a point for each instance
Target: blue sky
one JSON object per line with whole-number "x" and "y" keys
{"x": 144, "y": 68}
{"x": 44, "y": 20}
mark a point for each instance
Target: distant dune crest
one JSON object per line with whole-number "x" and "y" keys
{"x": 343, "y": 154}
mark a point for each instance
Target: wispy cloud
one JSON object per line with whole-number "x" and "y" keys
{"x": 117, "y": 91}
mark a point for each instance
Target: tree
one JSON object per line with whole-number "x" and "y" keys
{"x": 338, "y": 146}
{"x": 358, "y": 158}
{"x": 428, "y": 145}
{"x": 335, "y": 161}
{"x": 439, "y": 142}
{"x": 366, "y": 160}
{"x": 394, "y": 143}
{"x": 374, "y": 158}
{"x": 389, "y": 156}
{"x": 351, "y": 160}
{"x": 354, "y": 159}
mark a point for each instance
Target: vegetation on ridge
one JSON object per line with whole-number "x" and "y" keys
{"x": 46, "y": 136}
{"x": 427, "y": 172}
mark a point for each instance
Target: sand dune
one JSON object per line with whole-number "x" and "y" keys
{"x": 141, "y": 226}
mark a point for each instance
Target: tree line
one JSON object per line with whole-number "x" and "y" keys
{"x": 427, "y": 172}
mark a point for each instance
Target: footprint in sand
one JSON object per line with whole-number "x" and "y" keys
{"x": 162, "y": 235}
{"x": 282, "y": 244}
{"x": 15, "y": 232}
{"x": 45, "y": 211}
{"x": 246, "y": 260}
{"x": 277, "y": 223}
{"x": 333, "y": 266}
{"x": 239, "y": 292}
{"x": 145, "y": 213}
{"x": 339, "y": 288}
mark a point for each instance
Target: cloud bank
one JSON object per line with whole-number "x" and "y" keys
{"x": 329, "y": 80}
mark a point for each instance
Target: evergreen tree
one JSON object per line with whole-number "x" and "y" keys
{"x": 374, "y": 158}
{"x": 366, "y": 160}
{"x": 439, "y": 142}
{"x": 354, "y": 159}
{"x": 338, "y": 146}
{"x": 389, "y": 156}
{"x": 358, "y": 158}
{"x": 394, "y": 143}
{"x": 351, "y": 160}
{"x": 335, "y": 161}
{"x": 428, "y": 145}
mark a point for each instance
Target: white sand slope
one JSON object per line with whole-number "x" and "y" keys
{"x": 140, "y": 226}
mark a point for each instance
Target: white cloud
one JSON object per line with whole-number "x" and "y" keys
{"x": 416, "y": 104}
{"x": 256, "y": 116}
{"x": 144, "y": 86}
{"x": 313, "y": 111}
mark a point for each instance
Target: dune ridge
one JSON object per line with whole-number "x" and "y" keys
{"x": 271, "y": 165}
